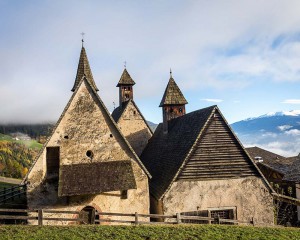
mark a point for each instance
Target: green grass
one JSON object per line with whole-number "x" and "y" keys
{"x": 27, "y": 143}
{"x": 186, "y": 232}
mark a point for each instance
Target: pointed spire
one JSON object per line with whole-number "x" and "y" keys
{"x": 84, "y": 70}
{"x": 172, "y": 95}
{"x": 125, "y": 78}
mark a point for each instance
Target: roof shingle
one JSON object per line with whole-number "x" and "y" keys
{"x": 84, "y": 70}
{"x": 125, "y": 79}
{"x": 165, "y": 153}
{"x": 94, "y": 178}
{"x": 172, "y": 95}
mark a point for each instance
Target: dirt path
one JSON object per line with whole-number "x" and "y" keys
{"x": 10, "y": 180}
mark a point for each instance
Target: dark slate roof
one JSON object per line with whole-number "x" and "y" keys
{"x": 94, "y": 178}
{"x": 172, "y": 95}
{"x": 271, "y": 160}
{"x": 84, "y": 70}
{"x": 165, "y": 153}
{"x": 125, "y": 79}
{"x": 117, "y": 113}
{"x": 293, "y": 174}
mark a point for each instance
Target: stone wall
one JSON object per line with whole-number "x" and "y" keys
{"x": 86, "y": 126}
{"x": 134, "y": 128}
{"x": 249, "y": 196}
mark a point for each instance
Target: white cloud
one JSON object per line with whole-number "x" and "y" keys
{"x": 212, "y": 100}
{"x": 291, "y": 101}
{"x": 284, "y": 127}
{"x": 292, "y": 132}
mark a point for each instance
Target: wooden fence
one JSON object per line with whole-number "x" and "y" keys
{"x": 9, "y": 194}
{"x": 41, "y": 215}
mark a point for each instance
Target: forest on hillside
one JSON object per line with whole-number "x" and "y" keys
{"x": 35, "y": 131}
{"x": 15, "y": 159}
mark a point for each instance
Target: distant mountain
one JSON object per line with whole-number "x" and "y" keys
{"x": 276, "y": 131}
{"x": 152, "y": 125}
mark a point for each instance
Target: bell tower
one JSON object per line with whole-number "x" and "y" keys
{"x": 172, "y": 103}
{"x": 125, "y": 88}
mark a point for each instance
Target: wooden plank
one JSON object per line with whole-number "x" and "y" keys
{"x": 16, "y": 217}
{"x": 110, "y": 220}
{"x": 115, "y": 214}
{"x": 61, "y": 211}
{"x": 17, "y": 210}
{"x": 63, "y": 219}
{"x": 157, "y": 216}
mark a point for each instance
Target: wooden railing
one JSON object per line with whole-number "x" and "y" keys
{"x": 9, "y": 194}
{"x": 41, "y": 215}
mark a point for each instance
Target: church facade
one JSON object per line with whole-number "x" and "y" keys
{"x": 199, "y": 167}
{"x": 192, "y": 164}
{"x": 87, "y": 164}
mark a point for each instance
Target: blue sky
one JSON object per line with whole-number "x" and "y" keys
{"x": 243, "y": 56}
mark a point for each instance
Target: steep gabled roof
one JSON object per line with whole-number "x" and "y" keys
{"x": 172, "y": 95}
{"x": 125, "y": 79}
{"x": 118, "y": 112}
{"x": 166, "y": 155}
{"x": 84, "y": 80}
{"x": 84, "y": 70}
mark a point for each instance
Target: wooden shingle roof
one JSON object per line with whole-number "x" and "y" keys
{"x": 165, "y": 153}
{"x": 94, "y": 178}
{"x": 270, "y": 159}
{"x": 172, "y": 95}
{"x": 84, "y": 70}
{"x": 125, "y": 79}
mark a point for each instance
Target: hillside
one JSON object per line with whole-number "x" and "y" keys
{"x": 277, "y": 132}
{"x": 16, "y": 156}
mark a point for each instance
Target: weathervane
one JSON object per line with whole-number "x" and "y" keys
{"x": 82, "y": 40}
{"x": 170, "y": 72}
{"x": 125, "y": 64}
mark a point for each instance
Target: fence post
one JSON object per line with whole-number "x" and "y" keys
{"x": 218, "y": 219}
{"x": 40, "y": 217}
{"x": 178, "y": 218}
{"x": 253, "y": 221}
{"x": 136, "y": 220}
{"x": 4, "y": 195}
{"x": 93, "y": 216}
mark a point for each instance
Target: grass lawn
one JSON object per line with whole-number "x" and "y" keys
{"x": 181, "y": 232}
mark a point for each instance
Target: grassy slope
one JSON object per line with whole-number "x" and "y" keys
{"x": 29, "y": 143}
{"x": 149, "y": 232}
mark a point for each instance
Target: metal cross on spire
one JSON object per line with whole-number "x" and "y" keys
{"x": 125, "y": 64}
{"x": 82, "y": 40}
{"x": 170, "y": 72}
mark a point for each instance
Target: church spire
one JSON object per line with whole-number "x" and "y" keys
{"x": 172, "y": 103}
{"x": 84, "y": 70}
{"x": 125, "y": 85}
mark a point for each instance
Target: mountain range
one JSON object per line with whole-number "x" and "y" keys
{"x": 278, "y": 132}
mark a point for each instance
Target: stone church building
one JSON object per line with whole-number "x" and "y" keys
{"x": 129, "y": 118}
{"x": 192, "y": 164}
{"x": 200, "y": 168}
{"x": 87, "y": 163}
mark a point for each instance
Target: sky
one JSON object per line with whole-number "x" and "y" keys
{"x": 243, "y": 56}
